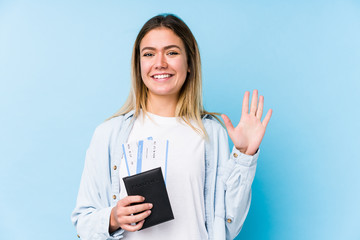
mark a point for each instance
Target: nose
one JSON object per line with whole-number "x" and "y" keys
{"x": 160, "y": 61}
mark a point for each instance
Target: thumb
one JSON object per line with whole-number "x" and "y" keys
{"x": 227, "y": 122}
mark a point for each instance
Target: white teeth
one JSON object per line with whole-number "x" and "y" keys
{"x": 162, "y": 76}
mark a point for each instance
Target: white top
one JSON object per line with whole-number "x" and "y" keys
{"x": 185, "y": 176}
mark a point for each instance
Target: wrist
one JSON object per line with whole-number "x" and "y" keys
{"x": 242, "y": 150}
{"x": 247, "y": 151}
{"x": 113, "y": 226}
{"x": 250, "y": 152}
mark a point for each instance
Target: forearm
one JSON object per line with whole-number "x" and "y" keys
{"x": 238, "y": 190}
{"x": 94, "y": 224}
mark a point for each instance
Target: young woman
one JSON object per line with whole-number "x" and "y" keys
{"x": 209, "y": 188}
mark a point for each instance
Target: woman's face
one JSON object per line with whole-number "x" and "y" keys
{"x": 163, "y": 62}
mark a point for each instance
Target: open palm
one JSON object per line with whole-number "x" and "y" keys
{"x": 248, "y": 134}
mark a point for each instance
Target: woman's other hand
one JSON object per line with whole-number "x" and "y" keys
{"x": 248, "y": 134}
{"x": 121, "y": 215}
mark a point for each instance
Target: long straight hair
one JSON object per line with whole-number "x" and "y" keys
{"x": 189, "y": 106}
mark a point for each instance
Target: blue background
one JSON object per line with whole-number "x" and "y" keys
{"x": 65, "y": 68}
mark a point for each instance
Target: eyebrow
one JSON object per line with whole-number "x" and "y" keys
{"x": 165, "y": 48}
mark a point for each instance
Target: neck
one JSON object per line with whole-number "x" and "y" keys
{"x": 164, "y": 106}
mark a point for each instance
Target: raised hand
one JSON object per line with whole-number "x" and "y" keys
{"x": 248, "y": 134}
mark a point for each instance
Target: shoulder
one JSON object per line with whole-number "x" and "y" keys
{"x": 107, "y": 129}
{"x": 212, "y": 125}
{"x": 108, "y": 126}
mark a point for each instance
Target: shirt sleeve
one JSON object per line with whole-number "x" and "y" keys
{"x": 238, "y": 190}
{"x": 91, "y": 215}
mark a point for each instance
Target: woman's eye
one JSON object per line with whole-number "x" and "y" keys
{"x": 148, "y": 54}
{"x": 173, "y": 53}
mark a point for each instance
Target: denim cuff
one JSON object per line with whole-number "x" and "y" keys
{"x": 243, "y": 159}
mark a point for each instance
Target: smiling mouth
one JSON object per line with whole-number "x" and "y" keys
{"x": 162, "y": 76}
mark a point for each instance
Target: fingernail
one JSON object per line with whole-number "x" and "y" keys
{"x": 150, "y": 205}
{"x": 149, "y": 211}
{"x": 143, "y": 199}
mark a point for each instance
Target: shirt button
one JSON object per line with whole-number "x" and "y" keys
{"x": 229, "y": 220}
{"x": 115, "y": 167}
{"x": 235, "y": 155}
{"x": 114, "y": 197}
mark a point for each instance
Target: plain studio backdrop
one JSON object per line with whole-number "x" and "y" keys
{"x": 65, "y": 68}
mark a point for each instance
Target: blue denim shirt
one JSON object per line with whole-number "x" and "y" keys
{"x": 227, "y": 181}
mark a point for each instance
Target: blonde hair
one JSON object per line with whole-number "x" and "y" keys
{"x": 189, "y": 106}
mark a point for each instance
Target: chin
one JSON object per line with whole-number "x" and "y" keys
{"x": 162, "y": 93}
